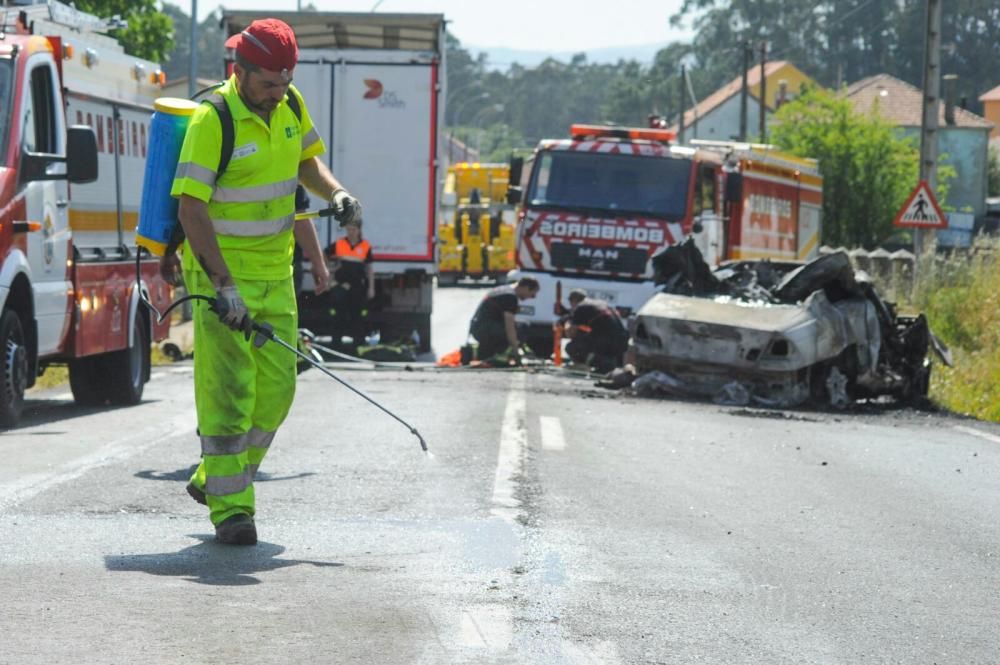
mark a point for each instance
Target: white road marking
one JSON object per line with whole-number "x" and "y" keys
{"x": 604, "y": 653}
{"x": 513, "y": 438}
{"x": 552, "y": 433}
{"x": 487, "y": 627}
{"x": 60, "y": 397}
{"x": 981, "y": 434}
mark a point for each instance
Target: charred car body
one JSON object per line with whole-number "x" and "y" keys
{"x": 786, "y": 332}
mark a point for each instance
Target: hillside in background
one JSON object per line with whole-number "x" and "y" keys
{"x": 501, "y": 58}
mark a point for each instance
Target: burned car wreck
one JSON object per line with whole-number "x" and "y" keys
{"x": 777, "y": 333}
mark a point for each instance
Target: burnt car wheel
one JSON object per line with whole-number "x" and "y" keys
{"x": 832, "y": 383}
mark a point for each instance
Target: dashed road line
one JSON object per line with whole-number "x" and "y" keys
{"x": 552, "y": 433}
{"x": 487, "y": 627}
{"x": 513, "y": 438}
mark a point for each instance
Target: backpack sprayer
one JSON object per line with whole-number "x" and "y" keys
{"x": 158, "y": 226}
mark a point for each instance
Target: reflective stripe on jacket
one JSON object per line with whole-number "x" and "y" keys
{"x": 252, "y": 204}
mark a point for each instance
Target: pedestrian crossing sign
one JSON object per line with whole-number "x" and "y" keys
{"x": 921, "y": 210}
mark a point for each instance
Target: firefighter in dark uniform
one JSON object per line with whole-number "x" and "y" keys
{"x": 353, "y": 281}
{"x": 598, "y": 338}
{"x": 493, "y": 323}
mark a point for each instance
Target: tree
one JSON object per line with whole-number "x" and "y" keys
{"x": 993, "y": 181}
{"x": 841, "y": 41}
{"x": 210, "y": 45}
{"x": 868, "y": 168}
{"x": 150, "y": 32}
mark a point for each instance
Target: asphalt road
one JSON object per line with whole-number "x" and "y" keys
{"x": 555, "y": 522}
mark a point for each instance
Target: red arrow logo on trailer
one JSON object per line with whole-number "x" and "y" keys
{"x": 374, "y": 89}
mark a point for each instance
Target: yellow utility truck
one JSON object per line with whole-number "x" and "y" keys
{"x": 476, "y": 231}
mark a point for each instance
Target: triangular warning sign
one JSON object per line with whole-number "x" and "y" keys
{"x": 921, "y": 210}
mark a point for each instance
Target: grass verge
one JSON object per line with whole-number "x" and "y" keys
{"x": 958, "y": 294}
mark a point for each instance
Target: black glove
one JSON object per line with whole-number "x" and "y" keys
{"x": 232, "y": 311}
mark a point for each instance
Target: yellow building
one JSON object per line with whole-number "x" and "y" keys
{"x": 717, "y": 117}
{"x": 991, "y": 110}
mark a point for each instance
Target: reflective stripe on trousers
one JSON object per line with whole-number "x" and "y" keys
{"x": 242, "y": 393}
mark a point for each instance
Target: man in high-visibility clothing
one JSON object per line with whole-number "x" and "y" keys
{"x": 240, "y": 227}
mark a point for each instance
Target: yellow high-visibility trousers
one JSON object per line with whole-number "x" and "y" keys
{"x": 242, "y": 393}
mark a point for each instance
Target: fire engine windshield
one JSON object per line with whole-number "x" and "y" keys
{"x": 6, "y": 83}
{"x": 592, "y": 181}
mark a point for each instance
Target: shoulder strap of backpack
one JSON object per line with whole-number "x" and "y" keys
{"x": 294, "y": 104}
{"x": 218, "y": 102}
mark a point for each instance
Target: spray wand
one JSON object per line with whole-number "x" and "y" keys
{"x": 265, "y": 332}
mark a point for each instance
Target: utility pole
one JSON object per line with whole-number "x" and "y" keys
{"x": 193, "y": 59}
{"x": 932, "y": 97}
{"x": 680, "y": 125}
{"x": 763, "y": 92}
{"x": 694, "y": 105}
{"x": 744, "y": 91}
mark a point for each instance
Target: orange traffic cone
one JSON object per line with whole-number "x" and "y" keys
{"x": 557, "y": 344}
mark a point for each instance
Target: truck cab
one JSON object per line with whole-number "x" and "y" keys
{"x": 72, "y": 137}
{"x": 593, "y": 210}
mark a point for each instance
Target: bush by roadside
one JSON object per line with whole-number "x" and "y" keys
{"x": 959, "y": 295}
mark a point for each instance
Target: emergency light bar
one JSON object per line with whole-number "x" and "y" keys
{"x": 600, "y": 131}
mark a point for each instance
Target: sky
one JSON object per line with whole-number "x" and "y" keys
{"x": 537, "y": 25}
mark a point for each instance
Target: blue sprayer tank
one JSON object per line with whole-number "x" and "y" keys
{"x": 158, "y": 210}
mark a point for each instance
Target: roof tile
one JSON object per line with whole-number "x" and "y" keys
{"x": 728, "y": 90}
{"x": 991, "y": 95}
{"x": 901, "y": 103}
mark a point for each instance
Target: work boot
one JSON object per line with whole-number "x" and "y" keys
{"x": 236, "y": 530}
{"x": 196, "y": 494}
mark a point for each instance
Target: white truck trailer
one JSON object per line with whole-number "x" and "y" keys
{"x": 374, "y": 86}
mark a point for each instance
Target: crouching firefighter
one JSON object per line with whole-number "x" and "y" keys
{"x": 598, "y": 338}
{"x": 243, "y": 154}
{"x": 493, "y": 325}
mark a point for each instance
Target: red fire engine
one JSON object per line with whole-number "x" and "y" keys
{"x": 596, "y": 206}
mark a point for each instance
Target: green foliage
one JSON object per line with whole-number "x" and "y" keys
{"x": 959, "y": 296}
{"x": 495, "y": 143}
{"x": 993, "y": 177}
{"x": 210, "y": 45}
{"x": 543, "y": 101}
{"x": 868, "y": 168}
{"x": 150, "y": 32}
{"x": 835, "y": 41}
{"x": 840, "y": 41}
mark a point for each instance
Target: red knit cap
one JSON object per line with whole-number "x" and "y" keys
{"x": 267, "y": 43}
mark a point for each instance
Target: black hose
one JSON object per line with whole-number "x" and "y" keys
{"x": 265, "y": 332}
{"x": 145, "y": 299}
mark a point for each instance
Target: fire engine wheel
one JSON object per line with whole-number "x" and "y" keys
{"x": 15, "y": 369}
{"x": 86, "y": 382}
{"x": 128, "y": 369}
{"x": 117, "y": 377}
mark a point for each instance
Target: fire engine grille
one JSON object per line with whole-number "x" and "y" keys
{"x": 604, "y": 259}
